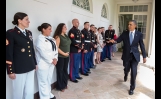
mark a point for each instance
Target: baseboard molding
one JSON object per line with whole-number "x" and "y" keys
{"x": 36, "y": 95}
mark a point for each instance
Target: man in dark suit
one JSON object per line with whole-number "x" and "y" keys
{"x": 131, "y": 55}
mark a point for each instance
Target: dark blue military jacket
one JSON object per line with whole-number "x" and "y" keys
{"x": 20, "y": 54}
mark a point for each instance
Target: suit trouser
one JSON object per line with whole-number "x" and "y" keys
{"x": 44, "y": 77}
{"x": 62, "y": 73}
{"x": 104, "y": 53}
{"x": 108, "y": 51}
{"x": 84, "y": 63}
{"x": 131, "y": 64}
{"x": 75, "y": 59}
{"x": 23, "y": 86}
{"x": 91, "y": 55}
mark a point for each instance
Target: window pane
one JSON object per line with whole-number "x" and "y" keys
{"x": 130, "y": 8}
{"x": 104, "y": 12}
{"x": 135, "y": 8}
{"x": 82, "y": 4}
{"x": 135, "y": 17}
{"x": 140, "y": 18}
{"x": 144, "y": 17}
{"x": 145, "y": 8}
{"x": 121, "y": 8}
{"x": 144, "y": 36}
{"x": 143, "y": 30}
{"x": 140, "y": 9}
{"x": 126, "y": 9}
{"x": 144, "y": 23}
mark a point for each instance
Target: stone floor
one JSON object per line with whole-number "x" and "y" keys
{"x": 106, "y": 82}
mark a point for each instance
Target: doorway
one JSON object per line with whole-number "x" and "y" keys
{"x": 123, "y": 24}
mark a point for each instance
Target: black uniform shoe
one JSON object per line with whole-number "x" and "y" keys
{"x": 85, "y": 74}
{"x": 75, "y": 81}
{"x": 88, "y": 72}
{"x": 79, "y": 78}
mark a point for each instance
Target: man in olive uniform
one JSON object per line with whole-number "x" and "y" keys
{"x": 85, "y": 69}
{"x": 75, "y": 51}
{"x": 109, "y": 35}
{"x": 93, "y": 45}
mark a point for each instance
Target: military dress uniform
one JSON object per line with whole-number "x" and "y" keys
{"x": 20, "y": 60}
{"x": 46, "y": 50}
{"x": 75, "y": 58}
{"x": 109, "y": 34}
{"x": 86, "y": 56}
{"x": 92, "y": 47}
{"x": 103, "y": 53}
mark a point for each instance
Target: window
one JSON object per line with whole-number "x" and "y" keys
{"x": 82, "y": 4}
{"x": 141, "y": 24}
{"x": 104, "y": 11}
{"x": 136, "y": 8}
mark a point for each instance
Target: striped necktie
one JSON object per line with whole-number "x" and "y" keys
{"x": 24, "y": 33}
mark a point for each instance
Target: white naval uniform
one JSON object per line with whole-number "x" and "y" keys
{"x": 44, "y": 57}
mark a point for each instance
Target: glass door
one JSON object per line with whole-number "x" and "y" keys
{"x": 121, "y": 26}
{"x": 141, "y": 24}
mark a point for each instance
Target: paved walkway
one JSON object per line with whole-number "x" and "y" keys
{"x": 106, "y": 82}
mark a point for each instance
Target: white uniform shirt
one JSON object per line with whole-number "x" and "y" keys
{"x": 44, "y": 51}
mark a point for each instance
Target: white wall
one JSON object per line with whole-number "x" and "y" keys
{"x": 55, "y": 12}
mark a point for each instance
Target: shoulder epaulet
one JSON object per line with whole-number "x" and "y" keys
{"x": 28, "y": 31}
{"x": 10, "y": 30}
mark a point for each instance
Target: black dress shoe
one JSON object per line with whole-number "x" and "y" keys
{"x": 79, "y": 78}
{"x": 53, "y": 97}
{"x": 109, "y": 59}
{"x": 125, "y": 78}
{"x": 131, "y": 92}
{"x": 88, "y": 72}
{"x": 88, "y": 69}
{"x": 85, "y": 74}
{"x": 75, "y": 81}
{"x": 94, "y": 67}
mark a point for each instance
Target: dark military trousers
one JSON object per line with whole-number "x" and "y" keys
{"x": 84, "y": 63}
{"x": 75, "y": 59}
{"x": 104, "y": 53}
{"x": 108, "y": 51}
{"x": 91, "y": 55}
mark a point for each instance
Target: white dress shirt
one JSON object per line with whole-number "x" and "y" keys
{"x": 133, "y": 33}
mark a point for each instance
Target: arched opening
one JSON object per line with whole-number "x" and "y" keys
{"x": 104, "y": 11}
{"x": 84, "y": 4}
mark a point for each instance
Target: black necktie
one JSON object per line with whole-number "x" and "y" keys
{"x": 53, "y": 44}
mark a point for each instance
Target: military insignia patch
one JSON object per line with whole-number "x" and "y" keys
{"x": 7, "y": 42}
{"x": 22, "y": 50}
{"x": 72, "y": 35}
{"x": 30, "y": 37}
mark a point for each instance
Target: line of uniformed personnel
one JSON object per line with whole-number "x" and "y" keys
{"x": 21, "y": 59}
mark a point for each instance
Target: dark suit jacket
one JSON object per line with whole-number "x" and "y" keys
{"x": 20, "y": 54}
{"x": 138, "y": 39}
